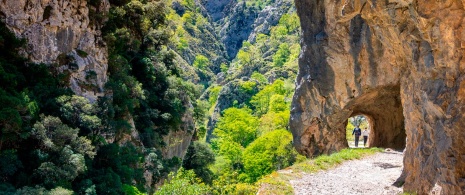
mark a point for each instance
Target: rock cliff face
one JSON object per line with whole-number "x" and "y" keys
{"x": 58, "y": 32}
{"x": 238, "y": 22}
{"x": 217, "y": 9}
{"x": 268, "y": 17}
{"x": 177, "y": 142}
{"x": 237, "y": 28}
{"x": 399, "y": 62}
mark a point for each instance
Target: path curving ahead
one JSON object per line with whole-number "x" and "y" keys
{"x": 374, "y": 174}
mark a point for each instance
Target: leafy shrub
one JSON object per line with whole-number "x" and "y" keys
{"x": 214, "y": 92}
{"x": 198, "y": 157}
{"x": 131, "y": 190}
{"x": 272, "y": 151}
{"x": 259, "y": 77}
{"x": 237, "y": 125}
{"x": 262, "y": 100}
{"x": 282, "y": 55}
{"x": 81, "y": 53}
{"x": 183, "y": 183}
{"x": 201, "y": 62}
{"x": 248, "y": 86}
{"x": 245, "y": 189}
{"x": 183, "y": 44}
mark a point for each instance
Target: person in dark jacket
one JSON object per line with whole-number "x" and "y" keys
{"x": 357, "y": 132}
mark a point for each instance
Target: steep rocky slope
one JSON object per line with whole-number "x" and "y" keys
{"x": 256, "y": 55}
{"x": 57, "y": 30}
{"x": 135, "y": 61}
{"x": 92, "y": 50}
{"x": 238, "y": 21}
{"x": 400, "y": 63}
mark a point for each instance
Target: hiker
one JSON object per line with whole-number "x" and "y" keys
{"x": 365, "y": 134}
{"x": 357, "y": 132}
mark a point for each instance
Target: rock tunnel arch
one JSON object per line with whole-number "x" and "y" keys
{"x": 382, "y": 108}
{"x": 370, "y": 45}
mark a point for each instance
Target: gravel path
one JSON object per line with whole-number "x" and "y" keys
{"x": 371, "y": 175}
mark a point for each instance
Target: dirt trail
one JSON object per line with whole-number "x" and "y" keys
{"x": 371, "y": 175}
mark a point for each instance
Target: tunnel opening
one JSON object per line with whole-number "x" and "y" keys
{"x": 381, "y": 111}
{"x": 361, "y": 122}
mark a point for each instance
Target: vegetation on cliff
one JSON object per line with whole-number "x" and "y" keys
{"x": 55, "y": 142}
{"x": 250, "y": 138}
{"x": 162, "y": 56}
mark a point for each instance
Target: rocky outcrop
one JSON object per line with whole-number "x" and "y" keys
{"x": 217, "y": 9}
{"x": 240, "y": 21}
{"x": 178, "y": 141}
{"x": 237, "y": 28}
{"x": 58, "y": 32}
{"x": 399, "y": 62}
{"x": 269, "y": 17}
{"x": 202, "y": 39}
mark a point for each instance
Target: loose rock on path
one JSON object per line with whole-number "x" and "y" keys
{"x": 374, "y": 174}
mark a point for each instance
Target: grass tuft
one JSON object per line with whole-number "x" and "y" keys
{"x": 409, "y": 193}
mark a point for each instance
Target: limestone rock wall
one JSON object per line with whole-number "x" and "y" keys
{"x": 178, "y": 141}
{"x": 268, "y": 17}
{"x": 57, "y": 30}
{"x": 237, "y": 28}
{"x": 399, "y": 62}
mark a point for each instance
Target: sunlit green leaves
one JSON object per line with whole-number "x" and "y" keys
{"x": 269, "y": 152}
{"x": 237, "y": 125}
{"x": 183, "y": 183}
{"x": 282, "y": 55}
{"x": 262, "y": 100}
{"x": 201, "y": 62}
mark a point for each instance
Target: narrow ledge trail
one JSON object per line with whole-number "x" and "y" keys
{"x": 371, "y": 175}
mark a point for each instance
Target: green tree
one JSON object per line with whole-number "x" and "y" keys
{"x": 259, "y": 77}
{"x": 261, "y": 100}
{"x": 201, "y": 62}
{"x": 60, "y": 191}
{"x": 244, "y": 57}
{"x": 224, "y": 67}
{"x": 279, "y": 32}
{"x": 57, "y": 139}
{"x": 274, "y": 120}
{"x": 282, "y": 55}
{"x": 237, "y": 125}
{"x": 290, "y": 21}
{"x": 188, "y": 3}
{"x": 231, "y": 150}
{"x": 213, "y": 95}
{"x": 198, "y": 157}
{"x": 184, "y": 182}
{"x": 131, "y": 190}
{"x": 267, "y": 153}
{"x": 248, "y": 86}
{"x": 278, "y": 103}
{"x": 81, "y": 113}
{"x": 357, "y": 120}
{"x": 188, "y": 19}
